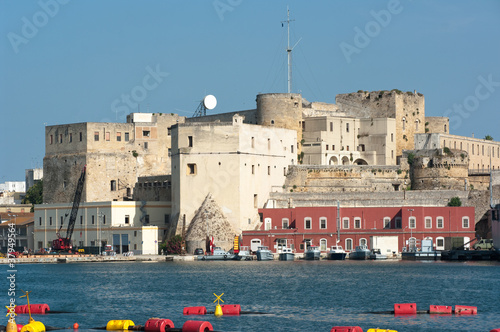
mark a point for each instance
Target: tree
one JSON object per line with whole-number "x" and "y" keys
{"x": 173, "y": 246}
{"x": 488, "y": 138}
{"x": 455, "y": 201}
{"x": 34, "y": 195}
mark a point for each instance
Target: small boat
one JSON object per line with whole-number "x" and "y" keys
{"x": 219, "y": 254}
{"x": 360, "y": 253}
{"x": 264, "y": 254}
{"x": 287, "y": 255}
{"x": 376, "y": 254}
{"x": 312, "y": 253}
{"x": 337, "y": 253}
{"x": 244, "y": 254}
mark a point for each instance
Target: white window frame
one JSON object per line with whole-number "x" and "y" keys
{"x": 465, "y": 218}
{"x": 268, "y": 224}
{"x": 305, "y": 223}
{"x": 363, "y": 242}
{"x": 326, "y": 223}
{"x": 410, "y": 220}
{"x": 356, "y": 219}
{"x": 439, "y": 219}
{"x": 283, "y": 223}
{"x": 348, "y": 244}
{"x": 321, "y": 242}
{"x": 344, "y": 220}
{"x": 387, "y": 222}
{"x": 427, "y": 219}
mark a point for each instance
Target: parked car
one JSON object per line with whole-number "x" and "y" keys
{"x": 483, "y": 244}
{"x": 198, "y": 252}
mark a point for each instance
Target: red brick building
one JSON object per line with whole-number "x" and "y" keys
{"x": 302, "y": 226}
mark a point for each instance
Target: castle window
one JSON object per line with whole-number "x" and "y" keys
{"x": 482, "y": 148}
{"x": 96, "y": 136}
{"x": 190, "y": 141}
{"x": 146, "y": 133}
{"x": 113, "y": 185}
{"x": 60, "y": 138}
{"x": 255, "y": 201}
{"x": 327, "y": 147}
{"x": 291, "y": 148}
{"x": 347, "y": 127}
{"x": 253, "y": 142}
{"x": 191, "y": 169}
{"x": 118, "y": 137}
{"x": 253, "y": 169}
{"x": 108, "y": 136}
{"x": 416, "y": 124}
{"x": 272, "y": 122}
{"x": 428, "y": 222}
{"x": 268, "y": 170}
{"x": 387, "y": 223}
{"x": 465, "y": 222}
{"x": 70, "y": 137}
{"x": 331, "y": 126}
{"x": 146, "y": 145}
{"x": 333, "y": 147}
{"x": 126, "y": 137}
{"x": 81, "y": 136}
{"x": 345, "y": 223}
{"x": 404, "y": 123}
{"x": 392, "y": 154}
{"x": 307, "y": 223}
{"x": 169, "y": 131}
{"x": 322, "y": 223}
{"x": 357, "y": 223}
{"x": 392, "y": 137}
{"x": 472, "y": 148}
{"x": 445, "y": 128}
{"x": 51, "y": 139}
{"x": 347, "y": 148}
{"x": 169, "y": 152}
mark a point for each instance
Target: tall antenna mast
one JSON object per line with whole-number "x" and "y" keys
{"x": 289, "y": 49}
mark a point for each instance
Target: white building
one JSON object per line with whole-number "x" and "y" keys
{"x": 13, "y": 186}
{"x": 33, "y": 176}
{"x": 127, "y": 226}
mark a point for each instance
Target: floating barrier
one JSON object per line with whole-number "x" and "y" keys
{"x": 119, "y": 325}
{"x": 195, "y": 311}
{"x": 380, "y": 330}
{"x": 405, "y": 308}
{"x": 465, "y": 310}
{"x": 197, "y": 326}
{"x": 35, "y": 309}
{"x": 495, "y": 330}
{"x": 33, "y": 326}
{"x": 158, "y": 325}
{"x": 440, "y": 309}
{"x": 346, "y": 329}
{"x": 231, "y": 309}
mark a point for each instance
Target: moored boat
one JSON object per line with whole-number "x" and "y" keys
{"x": 264, "y": 254}
{"x": 337, "y": 253}
{"x": 377, "y": 255}
{"x": 312, "y": 253}
{"x": 218, "y": 254}
{"x": 244, "y": 254}
{"x": 360, "y": 253}
{"x": 287, "y": 255}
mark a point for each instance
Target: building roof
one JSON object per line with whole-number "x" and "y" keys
{"x": 20, "y": 219}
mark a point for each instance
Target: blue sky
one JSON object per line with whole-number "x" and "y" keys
{"x": 69, "y": 61}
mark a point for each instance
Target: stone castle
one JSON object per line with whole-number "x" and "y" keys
{"x": 368, "y": 148}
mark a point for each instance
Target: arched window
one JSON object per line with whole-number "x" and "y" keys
{"x": 440, "y": 243}
{"x": 387, "y": 222}
{"x": 267, "y": 224}
{"x": 322, "y": 245}
{"x": 362, "y": 242}
{"x": 348, "y": 244}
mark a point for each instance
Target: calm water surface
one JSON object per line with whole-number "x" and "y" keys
{"x": 300, "y": 296}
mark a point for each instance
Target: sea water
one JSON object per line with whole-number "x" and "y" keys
{"x": 297, "y": 296}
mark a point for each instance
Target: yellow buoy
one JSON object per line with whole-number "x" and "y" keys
{"x": 218, "y": 310}
{"x": 11, "y": 326}
{"x": 33, "y": 326}
{"x": 118, "y": 325}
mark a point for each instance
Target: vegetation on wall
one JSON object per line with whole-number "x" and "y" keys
{"x": 488, "y": 138}
{"x": 411, "y": 158}
{"x": 34, "y": 195}
{"x": 455, "y": 201}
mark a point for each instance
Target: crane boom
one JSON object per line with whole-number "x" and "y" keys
{"x": 65, "y": 243}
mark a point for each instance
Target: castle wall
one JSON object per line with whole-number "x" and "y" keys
{"x": 437, "y": 124}
{"x": 407, "y": 108}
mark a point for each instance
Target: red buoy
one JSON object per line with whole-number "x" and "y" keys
{"x": 19, "y": 327}
{"x": 76, "y": 326}
{"x": 405, "y": 308}
{"x": 495, "y": 330}
{"x": 440, "y": 309}
{"x": 197, "y": 326}
{"x": 346, "y": 329}
{"x": 195, "y": 311}
{"x": 158, "y": 325}
{"x": 465, "y": 310}
{"x": 21, "y": 309}
{"x": 231, "y": 309}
